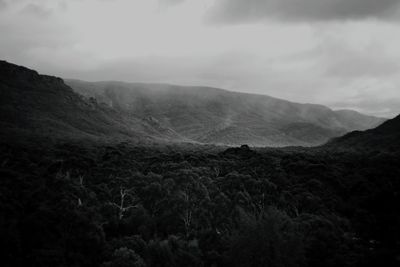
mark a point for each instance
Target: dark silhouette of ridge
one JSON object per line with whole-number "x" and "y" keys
{"x": 39, "y": 105}
{"x": 384, "y": 137}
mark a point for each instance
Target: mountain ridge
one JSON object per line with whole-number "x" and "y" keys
{"x": 384, "y": 137}
{"x": 213, "y": 115}
{"x": 37, "y": 104}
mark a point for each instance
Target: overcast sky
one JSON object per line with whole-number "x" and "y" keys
{"x": 341, "y": 53}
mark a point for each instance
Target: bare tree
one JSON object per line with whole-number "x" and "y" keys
{"x": 217, "y": 171}
{"x": 125, "y": 196}
{"x": 186, "y": 215}
{"x": 81, "y": 181}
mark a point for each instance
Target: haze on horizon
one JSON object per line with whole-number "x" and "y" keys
{"x": 340, "y": 53}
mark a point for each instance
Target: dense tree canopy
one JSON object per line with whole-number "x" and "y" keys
{"x": 87, "y": 204}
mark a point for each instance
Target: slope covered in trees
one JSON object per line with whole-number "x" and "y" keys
{"x": 212, "y": 115}
{"x": 75, "y": 192}
{"x": 90, "y": 204}
{"x": 33, "y": 105}
{"x": 43, "y": 106}
{"x": 384, "y": 137}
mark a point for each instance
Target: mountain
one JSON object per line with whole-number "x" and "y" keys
{"x": 84, "y": 203}
{"x": 212, "y": 115}
{"x": 384, "y": 137}
{"x": 354, "y": 120}
{"x": 41, "y": 105}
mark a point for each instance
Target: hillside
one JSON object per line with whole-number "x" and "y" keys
{"x": 40, "y": 105}
{"x": 212, "y": 115}
{"x": 85, "y": 204}
{"x": 90, "y": 202}
{"x": 383, "y": 137}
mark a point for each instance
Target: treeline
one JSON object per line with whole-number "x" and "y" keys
{"x": 124, "y": 205}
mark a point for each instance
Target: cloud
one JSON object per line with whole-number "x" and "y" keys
{"x": 239, "y": 11}
{"x": 342, "y": 61}
{"x": 36, "y": 10}
{"x": 3, "y": 4}
{"x": 358, "y": 64}
{"x": 367, "y": 97}
{"x": 170, "y": 2}
{"x": 289, "y": 79}
{"x": 343, "y": 65}
{"x": 28, "y": 28}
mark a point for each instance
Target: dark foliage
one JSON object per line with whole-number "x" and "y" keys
{"x": 87, "y": 204}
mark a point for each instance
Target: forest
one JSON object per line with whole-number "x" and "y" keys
{"x": 86, "y": 203}
{"x": 187, "y": 133}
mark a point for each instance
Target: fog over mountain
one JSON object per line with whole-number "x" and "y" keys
{"x": 339, "y": 53}
{"x": 200, "y": 133}
{"x": 139, "y": 174}
{"x": 212, "y": 115}
{"x": 37, "y": 106}
{"x": 385, "y": 137}
{"x": 46, "y": 106}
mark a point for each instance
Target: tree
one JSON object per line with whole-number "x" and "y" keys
{"x": 126, "y": 200}
{"x": 124, "y": 257}
{"x": 266, "y": 241}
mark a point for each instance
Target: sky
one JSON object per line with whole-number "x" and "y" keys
{"x": 341, "y": 53}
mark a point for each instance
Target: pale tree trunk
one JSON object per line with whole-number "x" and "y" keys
{"x": 124, "y": 193}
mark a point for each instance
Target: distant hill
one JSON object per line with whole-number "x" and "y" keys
{"x": 384, "y": 137}
{"x": 354, "y": 120}
{"x": 40, "y": 105}
{"x": 212, "y": 115}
